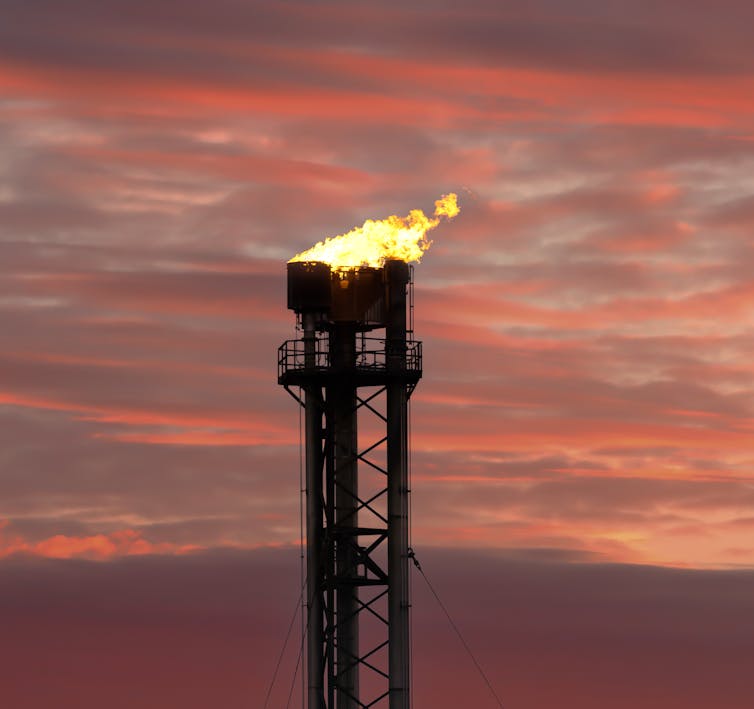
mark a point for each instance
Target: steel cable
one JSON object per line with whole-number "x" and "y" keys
{"x": 302, "y": 579}
{"x": 282, "y": 650}
{"x": 295, "y": 671}
{"x": 457, "y": 630}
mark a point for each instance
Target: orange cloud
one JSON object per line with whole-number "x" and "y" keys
{"x": 200, "y": 428}
{"x": 124, "y": 542}
{"x": 437, "y": 93}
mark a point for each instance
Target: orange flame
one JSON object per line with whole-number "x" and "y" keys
{"x": 375, "y": 242}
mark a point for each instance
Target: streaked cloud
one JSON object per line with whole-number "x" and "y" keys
{"x": 587, "y": 319}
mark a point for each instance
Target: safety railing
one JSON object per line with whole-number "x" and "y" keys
{"x": 372, "y": 356}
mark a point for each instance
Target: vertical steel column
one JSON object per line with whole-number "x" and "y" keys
{"x": 397, "y": 274}
{"x": 314, "y": 546}
{"x": 341, "y": 395}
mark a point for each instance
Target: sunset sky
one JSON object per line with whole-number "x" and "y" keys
{"x": 583, "y": 437}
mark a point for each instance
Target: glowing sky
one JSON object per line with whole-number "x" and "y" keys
{"x": 588, "y": 318}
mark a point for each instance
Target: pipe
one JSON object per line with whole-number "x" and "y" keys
{"x": 314, "y": 546}
{"x": 397, "y": 274}
{"x": 342, "y": 398}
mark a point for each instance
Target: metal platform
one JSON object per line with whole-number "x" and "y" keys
{"x": 371, "y": 368}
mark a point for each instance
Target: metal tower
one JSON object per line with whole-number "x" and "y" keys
{"x": 355, "y": 391}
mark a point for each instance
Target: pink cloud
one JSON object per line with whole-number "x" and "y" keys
{"x": 100, "y": 547}
{"x": 585, "y": 318}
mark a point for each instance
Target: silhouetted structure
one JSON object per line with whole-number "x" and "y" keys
{"x": 356, "y": 485}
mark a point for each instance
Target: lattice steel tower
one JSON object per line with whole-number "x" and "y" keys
{"x": 355, "y": 391}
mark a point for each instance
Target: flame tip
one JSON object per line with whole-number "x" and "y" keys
{"x": 378, "y": 241}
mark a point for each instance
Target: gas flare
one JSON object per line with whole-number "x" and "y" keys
{"x": 375, "y": 242}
